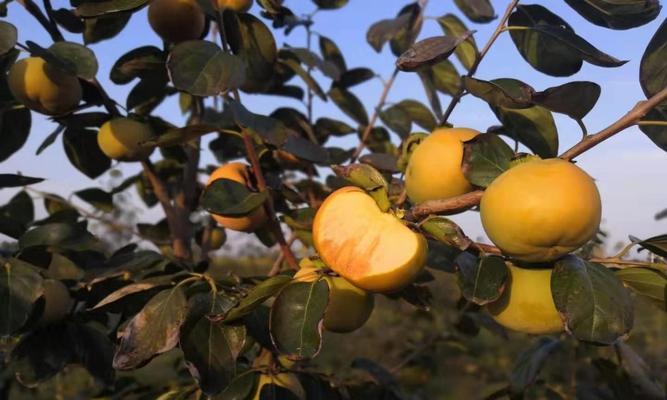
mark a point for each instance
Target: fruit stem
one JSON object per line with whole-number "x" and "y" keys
{"x": 274, "y": 225}
{"x": 450, "y": 205}
{"x": 631, "y": 118}
{"x": 499, "y": 29}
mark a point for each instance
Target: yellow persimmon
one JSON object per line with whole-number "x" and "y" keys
{"x": 527, "y": 304}
{"x": 349, "y": 307}
{"x": 57, "y": 302}
{"x": 217, "y": 238}
{"x": 44, "y": 88}
{"x": 541, "y": 210}
{"x": 235, "y": 5}
{"x": 240, "y": 173}
{"x": 176, "y": 20}
{"x": 120, "y": 139}
{"x": 434, "y": 170}
{"x": 285, "y": 380}
{"x": 372, "y": 249}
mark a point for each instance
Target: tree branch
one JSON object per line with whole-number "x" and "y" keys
{"x": 499, "y": 29}
{"x": 36, "y": 12}
{"x": 451, "y": 205}
{"x": 631, "y": 118}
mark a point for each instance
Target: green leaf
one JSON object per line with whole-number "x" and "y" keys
{"x": 592, "y": 300}
{"x": 429, "y": 51}
{"x": 305, "y": 76}
{"x": 332, "y": 53}
{"x": 258, "y": 295}
{"x": 201, "y": 68}
{"x": 652, "y": 71}
{"x": 239, "y": 388}
{"x": 230, "y": 198}
{"x": 419, "y": 113}
{"x": 485, "y": 157}
{"x": 445, "y": 231}
{"x": 16, "y": 215}
{"x": 14, "y": 130}
{"x": 84, "y": 153}
{"x": 381, "y": 161}
{"x": 483, "y": 280}
{"x": 533, "y": 126}
{"x": 349, "y": 104}
{"x": 430, "y": 83}
{"x": 296, "y": 319}
{"x": 325, "y": 127}
{"x": 12, "y": 180}
{"x": 306, "y": 150}
{"x": 445, "y": 77}
{"x": 508, "y": 93}
{"x": 79, "y": 59}
{"x": 312, "y": 60}
{"x": 407, "y": 34}
{"x": 574, "y": 99}
{"x": 330, "y": 4}
{"x": 369, "y": 179}
{"x": 530, "y": 362}
{"x": 104, "y": 27}
{"x": 647, "y": 384}
{"x": 396, "y": 119}
{"x": 8, "y": 36}
{"x": 550, "y": 45}
{"x": 480, "y": 11}
{"x": 20, "y": 287}
{"x": 467, "y": 51}
{"x": 66, "y": 236}
{"x": 147, "y": 94}
{"x": 134, "y": 288}
{"x": 251, "y": 40}
{"x": 656, "y": 245}
{"x": 154, "y": 330}
{"x": 382, "y": 31}
{"x": 210, "y": 350}
{"x": 97, "y": 8}
{"x": 657, "y": 133}
{"x": 270, "y": 129}
{"x": 615, "y": 14}
{"x": 98, "y": 198}
{"x": 647, "y": 282}
{"x": 354, "y": 77}
{"x": 142, "y": 62}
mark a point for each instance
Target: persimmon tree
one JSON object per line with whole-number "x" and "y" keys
{"x": 373, "y": 216}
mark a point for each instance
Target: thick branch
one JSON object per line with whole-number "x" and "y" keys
{"x": 274, "y": 225}
{"x": 631, "y": 118}
{"x": 451, "y": 205}
{"x": 499, "y": 29}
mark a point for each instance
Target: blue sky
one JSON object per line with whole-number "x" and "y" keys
{"x": 629, "y": 169}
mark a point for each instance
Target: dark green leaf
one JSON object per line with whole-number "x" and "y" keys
{"x": 98, "y": 198}
{"x": 508, "y": 93}
{"x": 210, "y": 350}
{"x": 306, "y": 150}
{"x": 349, "y": 104}
{"x": 615, "y": 14}
{"x": 68, "y": 20}
{"x": 652, "y": 71}
{"x": 20, "y": 287}
{"x": 381, "y": 161}
{"x": 153, "y": 331}
{"x": 312, "y": 60}
{"x": 50, "y": 139}
{"x": 550, "y": 45}
{"x": 445, "y": 77}
{"x": 466, "y": 52}
{"x": 657, "y": 133}
{"x": 8, "y": 36}
{"x": 79, "y": 59}
{"x": 307, "y": 78}
{"x": 271, "y": 130}
{"x": 382, "y": 31}
{"x": 146, "y": 95}
{"x": 445, "y": 231}
{"x": 14, "y": 130}
{"x": 592, "y": 300}
{"x": 485, "y": 157}
{"x": 529, "y": 363}
{"x": 258, "y": 295}
{"x": 429, "y": 51}
{"x": 296, "y": 318}
{"x": 133, "y": 288}
{"x": 230, "y": 198}
{"x": 239, "y": 388}
{"x": 331, "y": 53}
{"x": 430, "y": 81}
{"x": 534, "y": 127}
{"x": 325, "y": 127}
{"x": 396, "y": 119}
{"x": 647, "y": 282}
{"x": 354, "y": 77}
{"x": 67, "y": 236}
{"x": 574, "y": 99}
{"x": 142, "y": 62}
{"x": 16, "y": 215}
{"x": 656, "y": 245}
{"x": 646, "y": 383}
{"x": 201, "y": 68}
{"x": 96, "y": 8}
{"x": 477, "y": 10}
{"x": 367, "y": 178}
{"x": 41, "y": 354}
{"x": 483, "y": 281}
{"x": 407, "y": 34}
{"x": 11, "y": 180}
{"x": 418, "y": 113}
{"x": 84, "y": 153}
{"x": 104, "y": 27}
{"x": 330, "y": 4}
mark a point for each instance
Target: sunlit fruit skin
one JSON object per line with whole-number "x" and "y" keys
{"x": 286, "y": 380}
{"x": 176, "y": 20}
{"x": 217, "y": 238}
{"x": 373, "y": 250}
{"x": 238, "y": 172}
{"x": 527, "y": 303}
{"x": 541, "y": 210}
{"x": 434, "y": 170}
{"x": 57, "y": 302}
{"x": 44, "y": 88}
{"x": 235, "y": 5}
{"x": 120, "y": 139}
{"x": 349, "y": 307}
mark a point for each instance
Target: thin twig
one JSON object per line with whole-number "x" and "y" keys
{"x": 36, "y": 12}
{"x": 278, "y": 263}
{"x": 629, "y": 119}
{"x": 499, "y": 29}
{"x": 451, "y": 205}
